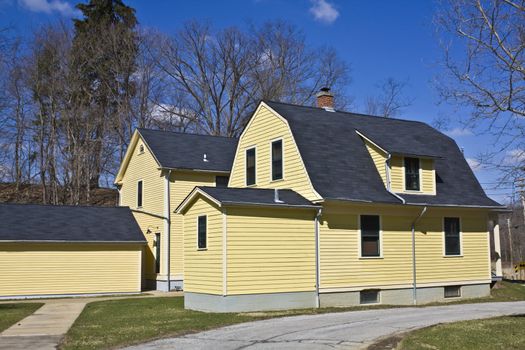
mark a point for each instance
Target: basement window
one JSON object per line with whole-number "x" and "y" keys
{"x": 202, "y": 223}
{"x": 140, "y": 192}
{"x": 277, "y": 160}
{"x": 250, "y": 166}
{"x": 452, "y": 291}
{"x": 369, "y": 296}
{"x": 370, "y": 236}
{"x": 412, "y": 174}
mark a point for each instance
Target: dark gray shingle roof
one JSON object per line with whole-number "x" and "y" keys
{"x": 34, "y": 222}
{"x": 340, "y": 167}
{"x": 186, "y": 151}
{"x": 256, "y": 196}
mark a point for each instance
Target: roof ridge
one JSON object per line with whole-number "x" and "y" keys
{"x": 347, "y": 112}
{"x": 187, "y": 133}
{"x": 64, "y": 205}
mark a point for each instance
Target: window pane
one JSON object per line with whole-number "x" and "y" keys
{"x": 139, "y": 194}
{"x": 157, "y": 252}
{"x": 412, "y": 174}
{"x": 202, "y": 232}
{"x": 452, "y": 237}
{"x": 277, "y": 160}
{"x": 370, "y": 235}
{"x": 250, "y": 166}
{"x": 369, "y": 297}
{"x": 452, "y": 291}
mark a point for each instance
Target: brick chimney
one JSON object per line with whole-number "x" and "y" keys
{"x": 325, "y": 99}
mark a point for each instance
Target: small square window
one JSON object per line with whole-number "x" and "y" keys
{"x": 369, "y": 297}
{"x": 452, "y": 291}
{"x": 141, "y": 149}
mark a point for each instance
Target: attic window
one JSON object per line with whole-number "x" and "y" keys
{"x": 412, "y": 174}
{"x": 141, "y": 149}
{"x": 250, "y": 166}
{"x": 277, "y": 160}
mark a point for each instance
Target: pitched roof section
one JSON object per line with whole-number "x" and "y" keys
{"x": 186, "y": 151}
{"x": 341, "y": 168}
{"x": 33, "y": 222}
{"x": 249, "y": 196}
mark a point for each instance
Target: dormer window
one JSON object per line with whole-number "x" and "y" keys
{"x": 250, "y": 167}
{"x": 277, "y": 160}
{"x": 412, "y": 180}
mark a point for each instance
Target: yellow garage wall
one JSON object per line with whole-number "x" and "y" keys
{"x": 379, "y": 157}
{"x": 270, "y": 250}
{"x": 73, "y": 268}
{"x": 428, "y": 175}
{"x": 341, "y": 267}
{"x": 265, "y": 127}
{"x": 203, "y": 268}
{"x": 143, "y": 166}
{"x": 182, "y": 183}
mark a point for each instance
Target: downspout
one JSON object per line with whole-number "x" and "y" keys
{"x": 389, "y": 181}
{"x": 414, "y": 278}
{"x": 167, "y": 225}
{"x": 317, "y": 258}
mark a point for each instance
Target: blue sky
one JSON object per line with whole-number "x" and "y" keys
{"x": 379, "y": 39}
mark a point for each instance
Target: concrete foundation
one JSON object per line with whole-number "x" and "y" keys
{"x": 249, "y": 302}
{"x": 163, "y": 285}
{"x": 404, "y": 296}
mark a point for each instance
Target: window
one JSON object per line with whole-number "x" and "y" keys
{"x": 141, "y": 149}
{"x": 157, "y": 252}
{"x": 452, "y": 291}
{"x": 277, "y": 160}
{"x": 412, "y": 174}
{"x": 369, "y": 297}
{"x": 201, "y": 232}
{"x": 370, "y": 235}
{"x": 250, "y": 166}
{"x": 452, "y": 236}
{"x": 140, "y": 190}
{"x": 221, "y": 181}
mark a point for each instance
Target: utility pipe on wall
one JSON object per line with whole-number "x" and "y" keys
{"x": 414, "y": 277}
{"x": 317, "y": 258}
{"x": 167, "y": 225}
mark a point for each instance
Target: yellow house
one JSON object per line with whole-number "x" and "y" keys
{"x": 329, "y": 208}
{"x": 158, "y": 171}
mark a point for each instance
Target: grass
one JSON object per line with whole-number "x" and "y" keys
{"x": 107, "y": 324}
{"x": 12, "y": 313}
{"x": 496, "y": 333}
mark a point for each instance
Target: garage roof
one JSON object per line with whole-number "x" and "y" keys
{"x": 48, "y": 223}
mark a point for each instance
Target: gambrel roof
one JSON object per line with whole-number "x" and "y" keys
{"x": 64, "y": 223}
{"x": 341, "y": 168}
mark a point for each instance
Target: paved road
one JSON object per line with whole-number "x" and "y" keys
{"x": 346, "y": 330}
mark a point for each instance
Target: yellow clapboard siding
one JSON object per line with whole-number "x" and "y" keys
{"x": 341, "y": 267}
{"x": 282, "y": 256}
{"x": 182, "y": 183}
{"x": 379, "y": 157}
{"x": 73, "y": 268}
{"x": 203, "y": 268}
{"x": 264, "y": 128}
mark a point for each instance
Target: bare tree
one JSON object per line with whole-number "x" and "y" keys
{"x": 484, "y": 58}
{"x": 390, "y": 100}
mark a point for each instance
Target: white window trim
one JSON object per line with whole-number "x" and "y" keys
{"x": 460, "y": 255}
{"x": 420, "y": 177}
{"x": 246, "y": 166}
{"x": 271, "y": 159}
{"x": 142, "y": 194}
{"x": 205, "y": 248}
{"x": 360, "y": 256}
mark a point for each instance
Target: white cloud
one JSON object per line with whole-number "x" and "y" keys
{"x": 50, "y": 6}
{"x": 324, "y": 11}
{"x": 475, "y": 165}
{"x": 514, "y": 157}
{"x": 458, "y": 132}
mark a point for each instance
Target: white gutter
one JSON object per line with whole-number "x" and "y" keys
{"x": 414, "y": 277}
{"x": 317, "y": 258}
{"x": 167, "y": 225}
{"x": 389, "y": 181}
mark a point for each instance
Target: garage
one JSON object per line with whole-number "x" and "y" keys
{"x": 51, "y": 251}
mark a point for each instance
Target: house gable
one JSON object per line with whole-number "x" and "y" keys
{"x": 264, "y": 127}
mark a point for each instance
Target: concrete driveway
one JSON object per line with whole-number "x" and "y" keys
{"x": 345, "y": 330}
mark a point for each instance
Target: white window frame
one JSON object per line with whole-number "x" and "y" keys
{"x": 359, "y": 242}
{"x": 420, "y": 177}
{"x": 198, "y": 217}
{"x": 142, "y": 194}
{"x": 271, "y": 159}
{"x": 246, "y": 166}
{"x": 460, "y": 255}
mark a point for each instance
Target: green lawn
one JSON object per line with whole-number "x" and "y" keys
{"x": 12, "y": 313}
{"x": 106, "y": 324}
{"x": 496, "y": 333}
